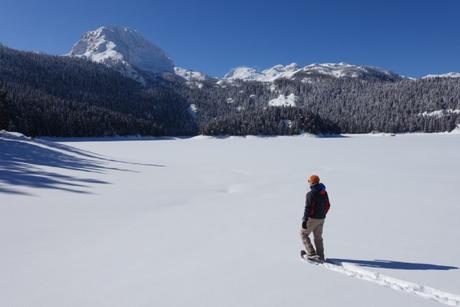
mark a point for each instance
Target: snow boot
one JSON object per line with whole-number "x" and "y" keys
{"x": 307, "y": 256}
{"x": 303, "y": 253}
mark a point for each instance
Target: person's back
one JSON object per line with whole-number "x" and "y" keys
{"x": 316, "y": 207}
{"x": 317, "y": 202}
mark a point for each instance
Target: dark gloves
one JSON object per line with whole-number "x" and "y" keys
{"x": 304, "y": 224}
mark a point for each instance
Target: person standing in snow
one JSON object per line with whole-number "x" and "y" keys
{"x": 316, "y": 207}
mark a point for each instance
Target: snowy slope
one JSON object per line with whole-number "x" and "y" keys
{"x": 135, "y": 223}
{"x": 123, "y": 49}
{"x": 283, "y": 101}
{"x": 268, "y": 75}
{"x": 192, "y": 78}
{"x": 439, "y": 113}
{"x": 342, "y": 70}
{"x": 190, "y": 75}
{"x": 447, "y": 75}
{"x": 336, "y": 70}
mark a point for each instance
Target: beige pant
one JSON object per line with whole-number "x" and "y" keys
{"x": 315, "y": 226}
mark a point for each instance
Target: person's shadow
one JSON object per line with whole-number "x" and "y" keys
{"x": 395, "y": 265}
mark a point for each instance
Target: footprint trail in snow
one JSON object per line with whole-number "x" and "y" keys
{"x": 391, "y": 282}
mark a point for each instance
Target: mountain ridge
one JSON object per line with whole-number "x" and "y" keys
{"x": 293, "y": 70}
{"x": 129, "y": 52}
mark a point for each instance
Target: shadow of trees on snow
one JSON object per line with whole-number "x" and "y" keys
{"x": 22, "y": 159}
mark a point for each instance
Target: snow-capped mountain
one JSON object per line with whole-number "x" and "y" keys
{"x": 123, "y": 49}
{"x": 127, "y": 51}
{"x": 244, "y": 73}
{"x": 336, "y": 70}
{"x": 447, "y": 75}
{"x": 344, "y": 70}
{"x": 190, "y": 75}
{"x": 192, "y": 78}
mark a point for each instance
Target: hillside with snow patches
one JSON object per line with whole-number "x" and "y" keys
{"x": 215, "y": 221}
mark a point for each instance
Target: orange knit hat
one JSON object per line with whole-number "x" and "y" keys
{"x": 313, "y": 179}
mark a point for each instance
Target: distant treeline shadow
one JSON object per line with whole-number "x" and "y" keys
{"x": 396, "y": 265}
{"x": 22, "y": 159}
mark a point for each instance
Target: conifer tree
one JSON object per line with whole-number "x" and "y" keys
{"x": 4, "y": 114}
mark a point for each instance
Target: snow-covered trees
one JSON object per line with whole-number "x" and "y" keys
{"x": 4, "y": 112}
{"x": 269, "y": 121}
{"x": 62, "y": 96}
{"x": 353, "y": 105}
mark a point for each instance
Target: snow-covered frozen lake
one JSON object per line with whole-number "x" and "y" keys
{"x": 215, "y": 222}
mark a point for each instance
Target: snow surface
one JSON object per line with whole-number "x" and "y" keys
{"x": 342, "y": 70}
{"x": 123, "y": 49}
{"x": 283, "y": 101}
{"x": 439, "y": 113}
{"x": 456, "y": 130}
{"x": 350, "y": 269}
{"x": 190, "y": 75}
{"x": 193, "y": 78}
{"x": 193, "y": 109}
{"x": 215, "y": 221}
{"x": 447, "y": 75}
{"x": 268, "y": 75}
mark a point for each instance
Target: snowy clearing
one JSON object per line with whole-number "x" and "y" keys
{"x": 440, "y": 113}
{"x": 283, "y": 101}
{"x": 215, "y": 221}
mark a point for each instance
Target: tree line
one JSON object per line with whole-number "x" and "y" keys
{"x": 352, "y": 105}
{"x": 61, "y": 96}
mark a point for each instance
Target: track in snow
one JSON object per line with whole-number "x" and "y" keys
{"x": 391, "y": 282}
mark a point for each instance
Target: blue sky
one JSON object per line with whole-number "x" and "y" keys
{"x": 413, "y": 38}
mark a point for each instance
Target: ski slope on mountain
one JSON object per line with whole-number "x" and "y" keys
{"x": 215, "y": 221}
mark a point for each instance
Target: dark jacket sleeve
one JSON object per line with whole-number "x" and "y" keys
{"x": 308, "y": 204}
{"x": 327, "y": 205}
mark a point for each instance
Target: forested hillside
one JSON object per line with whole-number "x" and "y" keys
{"x": 352, "y": 105}
{"x": 63, "y": 96}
